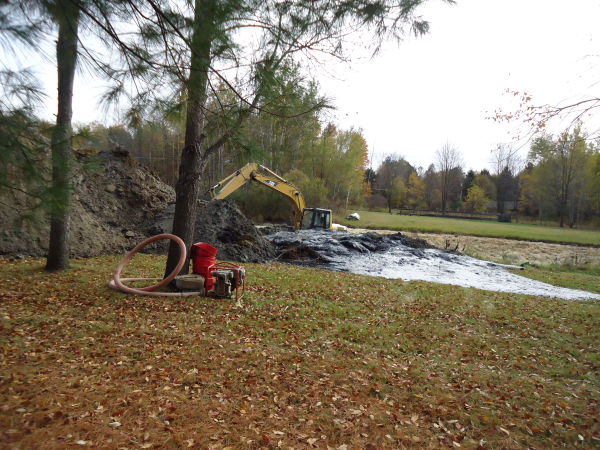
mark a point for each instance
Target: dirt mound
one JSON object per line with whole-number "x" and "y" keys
{"x": 299, "y": 252}
{"x": 111, "y": 203}
{"x": 410, "y": 242}
{"x": 221, "y": 224}
{"x": 268, "y": 229}
{"x": 120, "y": 203}
{"x": 330, "y": 246}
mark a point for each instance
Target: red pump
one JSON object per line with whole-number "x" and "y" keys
{"x": 228, "y": 276}
{"x": 221, "y": 279}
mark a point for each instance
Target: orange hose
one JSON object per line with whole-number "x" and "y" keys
{"x": 116, "y": 282}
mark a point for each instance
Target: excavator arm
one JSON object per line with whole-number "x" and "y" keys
{"x": 250, "y": 173}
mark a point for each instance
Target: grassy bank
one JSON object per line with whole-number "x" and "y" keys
{"x": 585, "y": 278}
{"x": 376, "y": 220}
{"x": 314, "y": 360}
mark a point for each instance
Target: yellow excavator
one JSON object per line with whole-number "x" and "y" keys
{"x": 304, "y": 218}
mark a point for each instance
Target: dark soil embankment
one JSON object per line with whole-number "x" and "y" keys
{"x": 221, "y": 224}
{"x": 119, "y": 204}
{"x": 110, "y": 206}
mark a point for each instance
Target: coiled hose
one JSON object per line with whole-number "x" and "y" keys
{"x": 116, "y": 282}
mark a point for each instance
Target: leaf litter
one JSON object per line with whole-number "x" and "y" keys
{"x": 315, "y": 359}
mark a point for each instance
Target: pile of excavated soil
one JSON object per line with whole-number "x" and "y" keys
{"x": 302, "y": 247}
{"x": 119, "y": 204}
{"x": 221, "y": 224}
{"x": 111, "y": 204}
{"x": 506, "y": 250}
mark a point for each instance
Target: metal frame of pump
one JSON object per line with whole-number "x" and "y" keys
{"x": 226, "y": 266}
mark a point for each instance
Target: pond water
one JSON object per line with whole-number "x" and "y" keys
{"x": 385, "y": 256}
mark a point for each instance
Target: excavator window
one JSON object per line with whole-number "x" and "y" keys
{"x": 321, "y": 220}
{"x": 315, "y": 218}
{"x": 307, "y": 219}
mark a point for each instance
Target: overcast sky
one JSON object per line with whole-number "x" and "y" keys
{"x": 412, "y": 98}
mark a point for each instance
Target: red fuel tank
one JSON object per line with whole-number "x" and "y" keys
{"x": 203, "y": 256}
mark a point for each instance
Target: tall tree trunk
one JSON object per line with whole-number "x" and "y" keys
{"x": 444, "y": 192}
{"x": 66, "y": 57}
{"x": 579, "y": 207}
{"x": 571, "y": 216}
{"x": 563, "y": 206}
{"x": 192, "y": 161}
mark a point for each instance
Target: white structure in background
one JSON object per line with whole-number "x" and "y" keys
{"x": 353, "y": 216}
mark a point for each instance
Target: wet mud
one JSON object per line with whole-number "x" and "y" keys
{"x": 507, "y": 250}
{"x": 398, "y": 256}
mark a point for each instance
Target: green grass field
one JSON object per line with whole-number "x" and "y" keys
{"x": 313, "y": 360}
{"x": 585, "y": 278}
{"x": 377, "y": 220}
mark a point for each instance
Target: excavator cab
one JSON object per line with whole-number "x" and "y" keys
{"x": 315, "y": 218}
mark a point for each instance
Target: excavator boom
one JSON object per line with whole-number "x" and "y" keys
{"x": 250, "y": 172}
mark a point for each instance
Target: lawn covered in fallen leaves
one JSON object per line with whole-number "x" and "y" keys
{"x": 314, "y": 360}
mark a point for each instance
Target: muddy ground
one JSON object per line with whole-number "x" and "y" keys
{"x": 507, "y": 251}
{"x": 395, "y": 256}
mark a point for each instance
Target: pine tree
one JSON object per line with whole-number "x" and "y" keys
{"x": 187, "y": 55}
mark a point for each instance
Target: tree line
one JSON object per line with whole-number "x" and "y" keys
{"x": 558, "y": 180}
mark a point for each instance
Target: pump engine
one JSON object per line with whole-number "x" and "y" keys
{"x": 227, "y": 280}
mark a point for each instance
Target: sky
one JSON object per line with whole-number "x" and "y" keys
{"x": 414, "y": 97}
{"x": 441, "y": 87}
